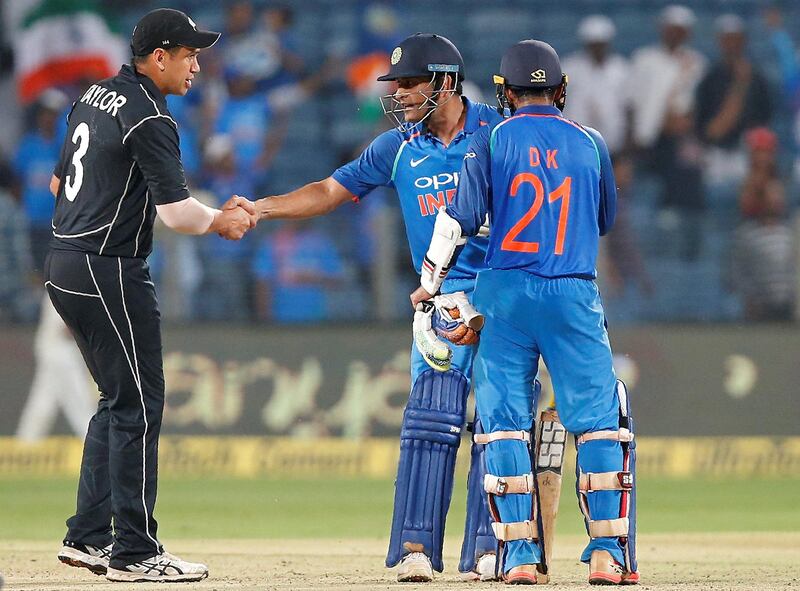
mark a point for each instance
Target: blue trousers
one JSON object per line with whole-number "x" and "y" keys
{"x": 563, "y": 321}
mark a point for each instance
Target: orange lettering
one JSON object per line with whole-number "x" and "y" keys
{"x": 551, "y": 159}
{"x": 450, "y": 194}
{"x": 510, "y": 242}
{"x": 534, "y": 156}
{"x": 563, "y": 191}
{"x": 422, "y": 209}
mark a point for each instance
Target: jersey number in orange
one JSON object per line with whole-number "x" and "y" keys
{"x": 562, "y": 192}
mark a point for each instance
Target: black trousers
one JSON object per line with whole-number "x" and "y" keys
{"x": 110, "y": 305}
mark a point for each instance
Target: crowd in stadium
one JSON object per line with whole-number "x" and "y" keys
{"x": 704, "y": 146}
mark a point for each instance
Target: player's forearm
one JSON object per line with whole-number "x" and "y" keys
{"x": 314, "y": 199}
{"x": 188, "y": 216}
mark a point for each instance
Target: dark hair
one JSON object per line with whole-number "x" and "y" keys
{"x": 137, "y": 60}
{"x": 525, "y": 92}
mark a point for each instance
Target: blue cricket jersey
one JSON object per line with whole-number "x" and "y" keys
{"x": 548, "y": 186}
{"x": 425, "y": 174}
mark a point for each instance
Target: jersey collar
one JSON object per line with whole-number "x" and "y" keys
{"x": 472, "y": 121}
{"x": 538, "y": 110}
{"x": 129, "y": 73}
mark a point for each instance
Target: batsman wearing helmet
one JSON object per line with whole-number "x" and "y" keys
{"x": 548, "y": 187}
{"x": 421, "y": 159}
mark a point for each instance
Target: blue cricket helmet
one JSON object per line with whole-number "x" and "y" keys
{"x": 424, "y": 54}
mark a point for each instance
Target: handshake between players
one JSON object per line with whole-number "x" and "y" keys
{"x": 237, "y": 217}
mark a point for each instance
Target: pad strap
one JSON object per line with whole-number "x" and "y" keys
{"x": 508, "y": 485}
{"x": 623, "y": 435}
{"x": 484, "y": 438}
{"x": 594, "y": 481}
{"x": 518, "y": 530}
{"x": 609, "y": 528}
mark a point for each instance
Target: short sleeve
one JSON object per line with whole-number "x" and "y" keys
{"x": 154, "y": 146}
{"x": 373, "y": 168}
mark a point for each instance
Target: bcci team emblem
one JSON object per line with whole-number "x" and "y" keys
{"x": 538, "y": 77}
{"x": 396, "y": 55}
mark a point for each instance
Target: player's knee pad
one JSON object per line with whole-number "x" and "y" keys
{"x": 623, "y": 527}
{"x": 500, "y": 486}
{"x": 429, "y": 439}
{"x": 495, "y": 486}
{"x": 478, "y": 535}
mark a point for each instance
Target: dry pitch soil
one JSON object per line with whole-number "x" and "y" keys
{"x": 689, "y": 562}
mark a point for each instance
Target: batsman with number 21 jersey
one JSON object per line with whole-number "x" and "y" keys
{"x": 548, "y": 187}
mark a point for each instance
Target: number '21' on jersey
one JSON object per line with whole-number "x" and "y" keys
{"x": 548, "y": 187}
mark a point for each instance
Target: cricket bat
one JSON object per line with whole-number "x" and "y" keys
{"x": 550, "y": 444}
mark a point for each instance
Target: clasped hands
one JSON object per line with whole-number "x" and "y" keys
{"x": 238, "y": 216}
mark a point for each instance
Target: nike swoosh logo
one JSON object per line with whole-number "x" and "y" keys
{"x": 415, "y": 163}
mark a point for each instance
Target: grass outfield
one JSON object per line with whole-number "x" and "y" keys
{"x": 35, "y": 509}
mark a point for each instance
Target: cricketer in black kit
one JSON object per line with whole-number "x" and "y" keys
{"x": 120, "y": 167}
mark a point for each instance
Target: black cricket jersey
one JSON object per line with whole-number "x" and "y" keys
{"x": 120, "y": 158}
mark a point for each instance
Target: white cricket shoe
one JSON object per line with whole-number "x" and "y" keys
{"x": 86, "y": 556}
{"x": 484, "y": 569}
{"x": 415, "y": 568}
{"x": 161, "y": 567}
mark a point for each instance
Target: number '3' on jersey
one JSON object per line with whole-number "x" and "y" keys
{"x": 120, "y": 159}
{"x": 548, "y": 186}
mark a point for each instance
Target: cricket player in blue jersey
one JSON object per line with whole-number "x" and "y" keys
{"x": 548, "y": 187}
{"x": 421, "y": 159}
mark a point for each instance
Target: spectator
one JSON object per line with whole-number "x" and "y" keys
{"x": 261, "y": 48}
{"x": 763, "y": 254}
{"x": 248, "y": 118}
{"x": 241, "y": 46}
{"x": 224, "y": 291}
{"x": 35, "y": 159}
{"x": 294, "y": 267}
{"x": 598, "y": 97}
{"x": 732, "y": 97}
{"x": 16, "y": 265}
{"x": 378, "y": 34}
{"x": 598, "y": 82}
{"x": 663, "y": 82}
{"x": 278, "y": 38}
